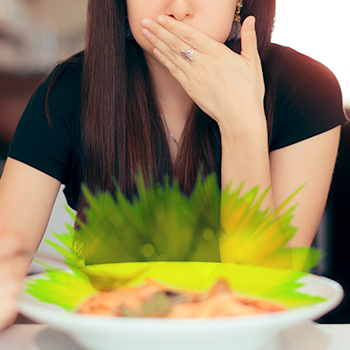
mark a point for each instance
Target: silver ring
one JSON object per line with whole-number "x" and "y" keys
{"x": 187, "y": 55}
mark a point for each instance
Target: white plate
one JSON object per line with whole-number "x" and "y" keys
{"x": 301, "y": 337}
{"x": 239, "y": 333}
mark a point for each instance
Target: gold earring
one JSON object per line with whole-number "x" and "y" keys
{"x": 235, "y": 33}
{"x": 237, "y": 17}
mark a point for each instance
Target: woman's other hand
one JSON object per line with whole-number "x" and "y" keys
{"x": 229, "y": 87}
{"x": 13, "y": 267}
{"x": 26, "y": 200}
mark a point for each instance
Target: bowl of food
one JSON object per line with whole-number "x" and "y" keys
{"x": 178, "y": 305}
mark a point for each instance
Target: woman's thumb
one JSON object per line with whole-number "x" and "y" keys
{"x": 248, "y": 39}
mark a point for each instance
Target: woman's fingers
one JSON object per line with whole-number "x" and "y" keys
{"x": 174, "y": 43}
{"x": 172, "y": 67}
{"x": 212, "y": 75}
{"x": 249, "y": 40}
{"x": 167, "y": 43}
{"x": 167, "y": 48}
{"x": 193, "y": 37}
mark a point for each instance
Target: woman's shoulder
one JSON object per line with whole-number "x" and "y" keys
{"x": 61, "y": 88}
{"x": 297, "y": 77}
{"x": 308, "y": 98}
{"x": 49, "y": 141}
{"x": 296, "y": 69}
{"x": 67, "y": 74}
{"x": 73, "y": 66}
{"x": 285, "y": 55}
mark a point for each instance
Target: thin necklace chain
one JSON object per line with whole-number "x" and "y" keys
{"x": 172, "y": 135}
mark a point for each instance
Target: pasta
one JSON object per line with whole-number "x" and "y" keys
{"x": 153, "y": 299}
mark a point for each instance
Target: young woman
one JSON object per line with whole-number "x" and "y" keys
{"x": 170, "y": 85}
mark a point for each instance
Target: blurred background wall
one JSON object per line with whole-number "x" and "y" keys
{"x": 35, "y": 34}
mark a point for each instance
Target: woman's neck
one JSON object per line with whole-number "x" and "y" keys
{"x": 174, "y": 101}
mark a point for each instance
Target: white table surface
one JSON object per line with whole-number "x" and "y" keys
{"x": 308, "y": 336}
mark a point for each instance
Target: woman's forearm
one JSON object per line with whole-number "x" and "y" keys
{"x": 245, "y": 158}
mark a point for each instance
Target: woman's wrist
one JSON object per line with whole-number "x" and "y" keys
{"x": 251, "y": 132}
{"x": 245, "y": 154}
{"x": 236, "y": 125}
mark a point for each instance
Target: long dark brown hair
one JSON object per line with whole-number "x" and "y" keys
{"x": 120, "y": 118}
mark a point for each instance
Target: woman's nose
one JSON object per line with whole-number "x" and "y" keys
{"x": 179, "y": 9}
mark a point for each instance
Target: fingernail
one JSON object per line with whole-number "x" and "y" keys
{"x": 157, "y": 52}
{"x": 146, "y": 23}
{"x": 161, "y": 20}
{"x": 146, "y": 33}
{"x": 251, "y": 23}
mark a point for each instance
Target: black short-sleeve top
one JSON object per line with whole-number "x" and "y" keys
{"x": 308, "y": 102}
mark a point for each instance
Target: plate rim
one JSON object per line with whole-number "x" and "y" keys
{"x": 309, "y": 312}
